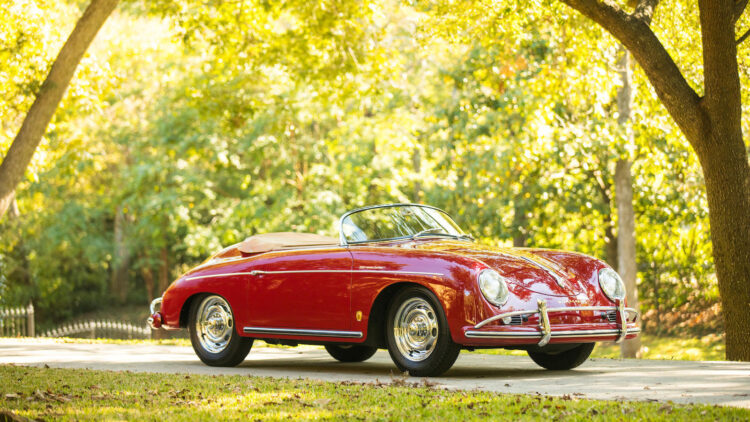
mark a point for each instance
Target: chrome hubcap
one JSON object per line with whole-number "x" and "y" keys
{"x": 214, "y": 324}
{"x": 415, "y": 329}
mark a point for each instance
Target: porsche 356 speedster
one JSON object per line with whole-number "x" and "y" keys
{"x": 403, "y": 277}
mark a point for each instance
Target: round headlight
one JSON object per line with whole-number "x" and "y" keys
{"x": 611, "y": 283}
{"x": 493, "y": 287}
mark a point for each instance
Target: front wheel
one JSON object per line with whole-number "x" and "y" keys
{"x": 568, "y": 359}
{"x": 417, "y": 333}
{"x": 213, "y": 335}
{"x": 353, "y": 353}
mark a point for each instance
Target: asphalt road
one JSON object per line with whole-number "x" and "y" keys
{"x": 722, "y": 383}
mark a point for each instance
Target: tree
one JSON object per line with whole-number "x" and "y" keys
{"x": 49, "y": 96}
{"x": 712, "y": 125}
{"x": 626, "y": 263}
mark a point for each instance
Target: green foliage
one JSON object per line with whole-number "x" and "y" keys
{"x": 70, "y": 394}
{"x": 201, "y": 123}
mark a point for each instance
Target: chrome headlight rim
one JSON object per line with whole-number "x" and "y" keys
{"x": 490, "y": 280}
{"x": 611, "y": 284}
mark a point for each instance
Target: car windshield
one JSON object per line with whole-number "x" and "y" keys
{"x": 387, "y": 222}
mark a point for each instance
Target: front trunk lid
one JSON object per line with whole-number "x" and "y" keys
{"x": 524, "y": 269}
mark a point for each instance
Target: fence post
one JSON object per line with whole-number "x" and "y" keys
{"x": 30, "y": 321}
{"x": 14, "y": 322}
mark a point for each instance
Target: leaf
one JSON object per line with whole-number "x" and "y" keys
{"x": 321, "y": 402}
{"x": 6, "y": 415}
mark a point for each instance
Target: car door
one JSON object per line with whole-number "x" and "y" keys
{"x": 295, "y": 291}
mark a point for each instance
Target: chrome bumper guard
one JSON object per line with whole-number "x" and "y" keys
{"x": 546, "y": 332}
{"x": 154, "y": 303}
{"x": 154, "y": 320}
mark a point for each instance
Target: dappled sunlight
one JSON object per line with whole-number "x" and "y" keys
{"x": 709, "y": 347}
{"x": 91, "y": 395}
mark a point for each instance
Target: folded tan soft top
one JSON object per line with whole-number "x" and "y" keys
{"x": 273, "y": 241}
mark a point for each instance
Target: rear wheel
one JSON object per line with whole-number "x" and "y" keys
{"x": 568, "y": 359}
{"x": 352, "y": 353}
{"x": 417, "y": 334}
{"x": 213, "y": 335}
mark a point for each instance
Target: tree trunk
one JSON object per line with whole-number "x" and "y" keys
{"x": 612, "y": 246}
{"x": 13, "y": 212}
{"x": 610, "y": 237}
{"x": 48, "y": 98}
{"x": 520, "y": 222}
{"x": 163, "y": 271}
{"x": 148, "y": 278}
{"x": 626, "y": 263}
{"x": 121, "y": 262}
{"x": 712, "y": 125}
{"x": 724, "y": 159}
{"x": 416, "y": 161}
{"x": 21, "y": 273}
{"x": 726, "y": 172}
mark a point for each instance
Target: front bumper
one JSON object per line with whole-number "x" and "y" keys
{"x": 546, "y": 332}
{"x": 155, "y": 319}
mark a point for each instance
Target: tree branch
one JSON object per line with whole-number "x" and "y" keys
{"x": 739, "y": 8}
{"x": 644, "y": 11}
{"x": 21, "y": 151}
{"x": 681, "y": 101}
{"x": 601, "y": 185}
{"x": 721, "y": 80}
{"x": 743, "y": 37}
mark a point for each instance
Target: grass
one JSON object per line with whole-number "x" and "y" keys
{"x": 74, "y": 394}
{"x": 710, "y": 347}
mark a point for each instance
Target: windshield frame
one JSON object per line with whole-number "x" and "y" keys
{"x": 342, "y": 237}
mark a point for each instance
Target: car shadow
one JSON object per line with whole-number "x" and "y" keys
{"x": 458, "y": 372}
{"x": 325, "y": 365}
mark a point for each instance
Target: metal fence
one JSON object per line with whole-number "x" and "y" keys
{"x": 17, "y": 322}
{"x": 100, "y": 329}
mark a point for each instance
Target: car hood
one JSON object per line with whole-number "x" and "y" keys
{"x": 541, "y": 271}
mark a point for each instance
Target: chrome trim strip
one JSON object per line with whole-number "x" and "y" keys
{"x": 218, "y": 275}
{"x": 155, "y": 302}
{"x": 302, "y": 332}
{"x": 260, "y": 272}
{"x": 553, "y": 334}
{"x": 564, "y": 309}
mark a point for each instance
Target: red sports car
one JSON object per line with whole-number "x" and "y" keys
{"x": 402, "y": 277}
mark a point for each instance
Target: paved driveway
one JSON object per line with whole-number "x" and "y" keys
{"x": 723, "y": 383}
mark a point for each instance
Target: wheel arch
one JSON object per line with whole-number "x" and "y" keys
{"x": 379, "y": 310}
{"x": 185, "y": 309}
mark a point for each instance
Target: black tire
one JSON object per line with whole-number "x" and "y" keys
{"x": 219, "y": 344}
{"x": 568, "y": 359}
{"x": 420, "y": 307}
{"x": 352, "y": 353}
